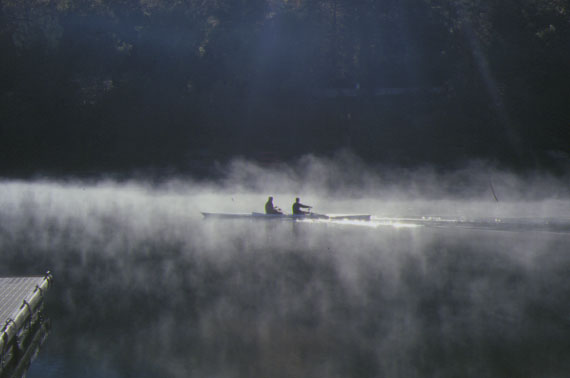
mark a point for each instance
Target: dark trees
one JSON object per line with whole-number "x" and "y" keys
{"x": 91, "y": 86}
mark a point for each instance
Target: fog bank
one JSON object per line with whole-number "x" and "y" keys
{"x": 145, "y": 287}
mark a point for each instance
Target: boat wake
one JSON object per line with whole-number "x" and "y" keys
{"x": 556, "y": 225}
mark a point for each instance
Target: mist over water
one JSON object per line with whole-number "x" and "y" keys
{"x": 145, "y": 287}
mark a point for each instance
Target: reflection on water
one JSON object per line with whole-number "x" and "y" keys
{"x": 156, "y": 292}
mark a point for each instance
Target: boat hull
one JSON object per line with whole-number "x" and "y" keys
{"x": 226, "y": 216}
{"x": 263, "y": 216}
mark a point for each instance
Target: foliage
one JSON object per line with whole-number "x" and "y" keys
{"x": 98, "y": 84}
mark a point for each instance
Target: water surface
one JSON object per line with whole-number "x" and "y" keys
{"x": 144, "y": 287}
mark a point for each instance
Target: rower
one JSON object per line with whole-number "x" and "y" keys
{"x": 270, "y": 208}
{"x": 297, "y": 208}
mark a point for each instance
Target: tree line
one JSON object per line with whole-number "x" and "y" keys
{"x": 96, "y": 85}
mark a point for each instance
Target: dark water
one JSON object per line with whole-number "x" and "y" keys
{"x": 188, "y": 298}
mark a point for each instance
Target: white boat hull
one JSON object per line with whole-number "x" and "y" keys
{"x": 263, "y": 216}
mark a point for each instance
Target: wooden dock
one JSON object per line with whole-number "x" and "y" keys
{"x": 23, "y": 323}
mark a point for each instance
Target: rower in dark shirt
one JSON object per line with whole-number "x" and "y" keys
{"x": 297, "y": 208}
{"x": 270, "y": 208}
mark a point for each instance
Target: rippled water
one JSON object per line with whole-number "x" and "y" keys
{"x": 145, "y": 288}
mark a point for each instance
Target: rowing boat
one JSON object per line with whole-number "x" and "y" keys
{"x": 263, "y": 216}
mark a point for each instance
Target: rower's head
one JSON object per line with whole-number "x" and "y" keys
{"x": 297, "y": 199}
{"x": 270, "y": 199}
